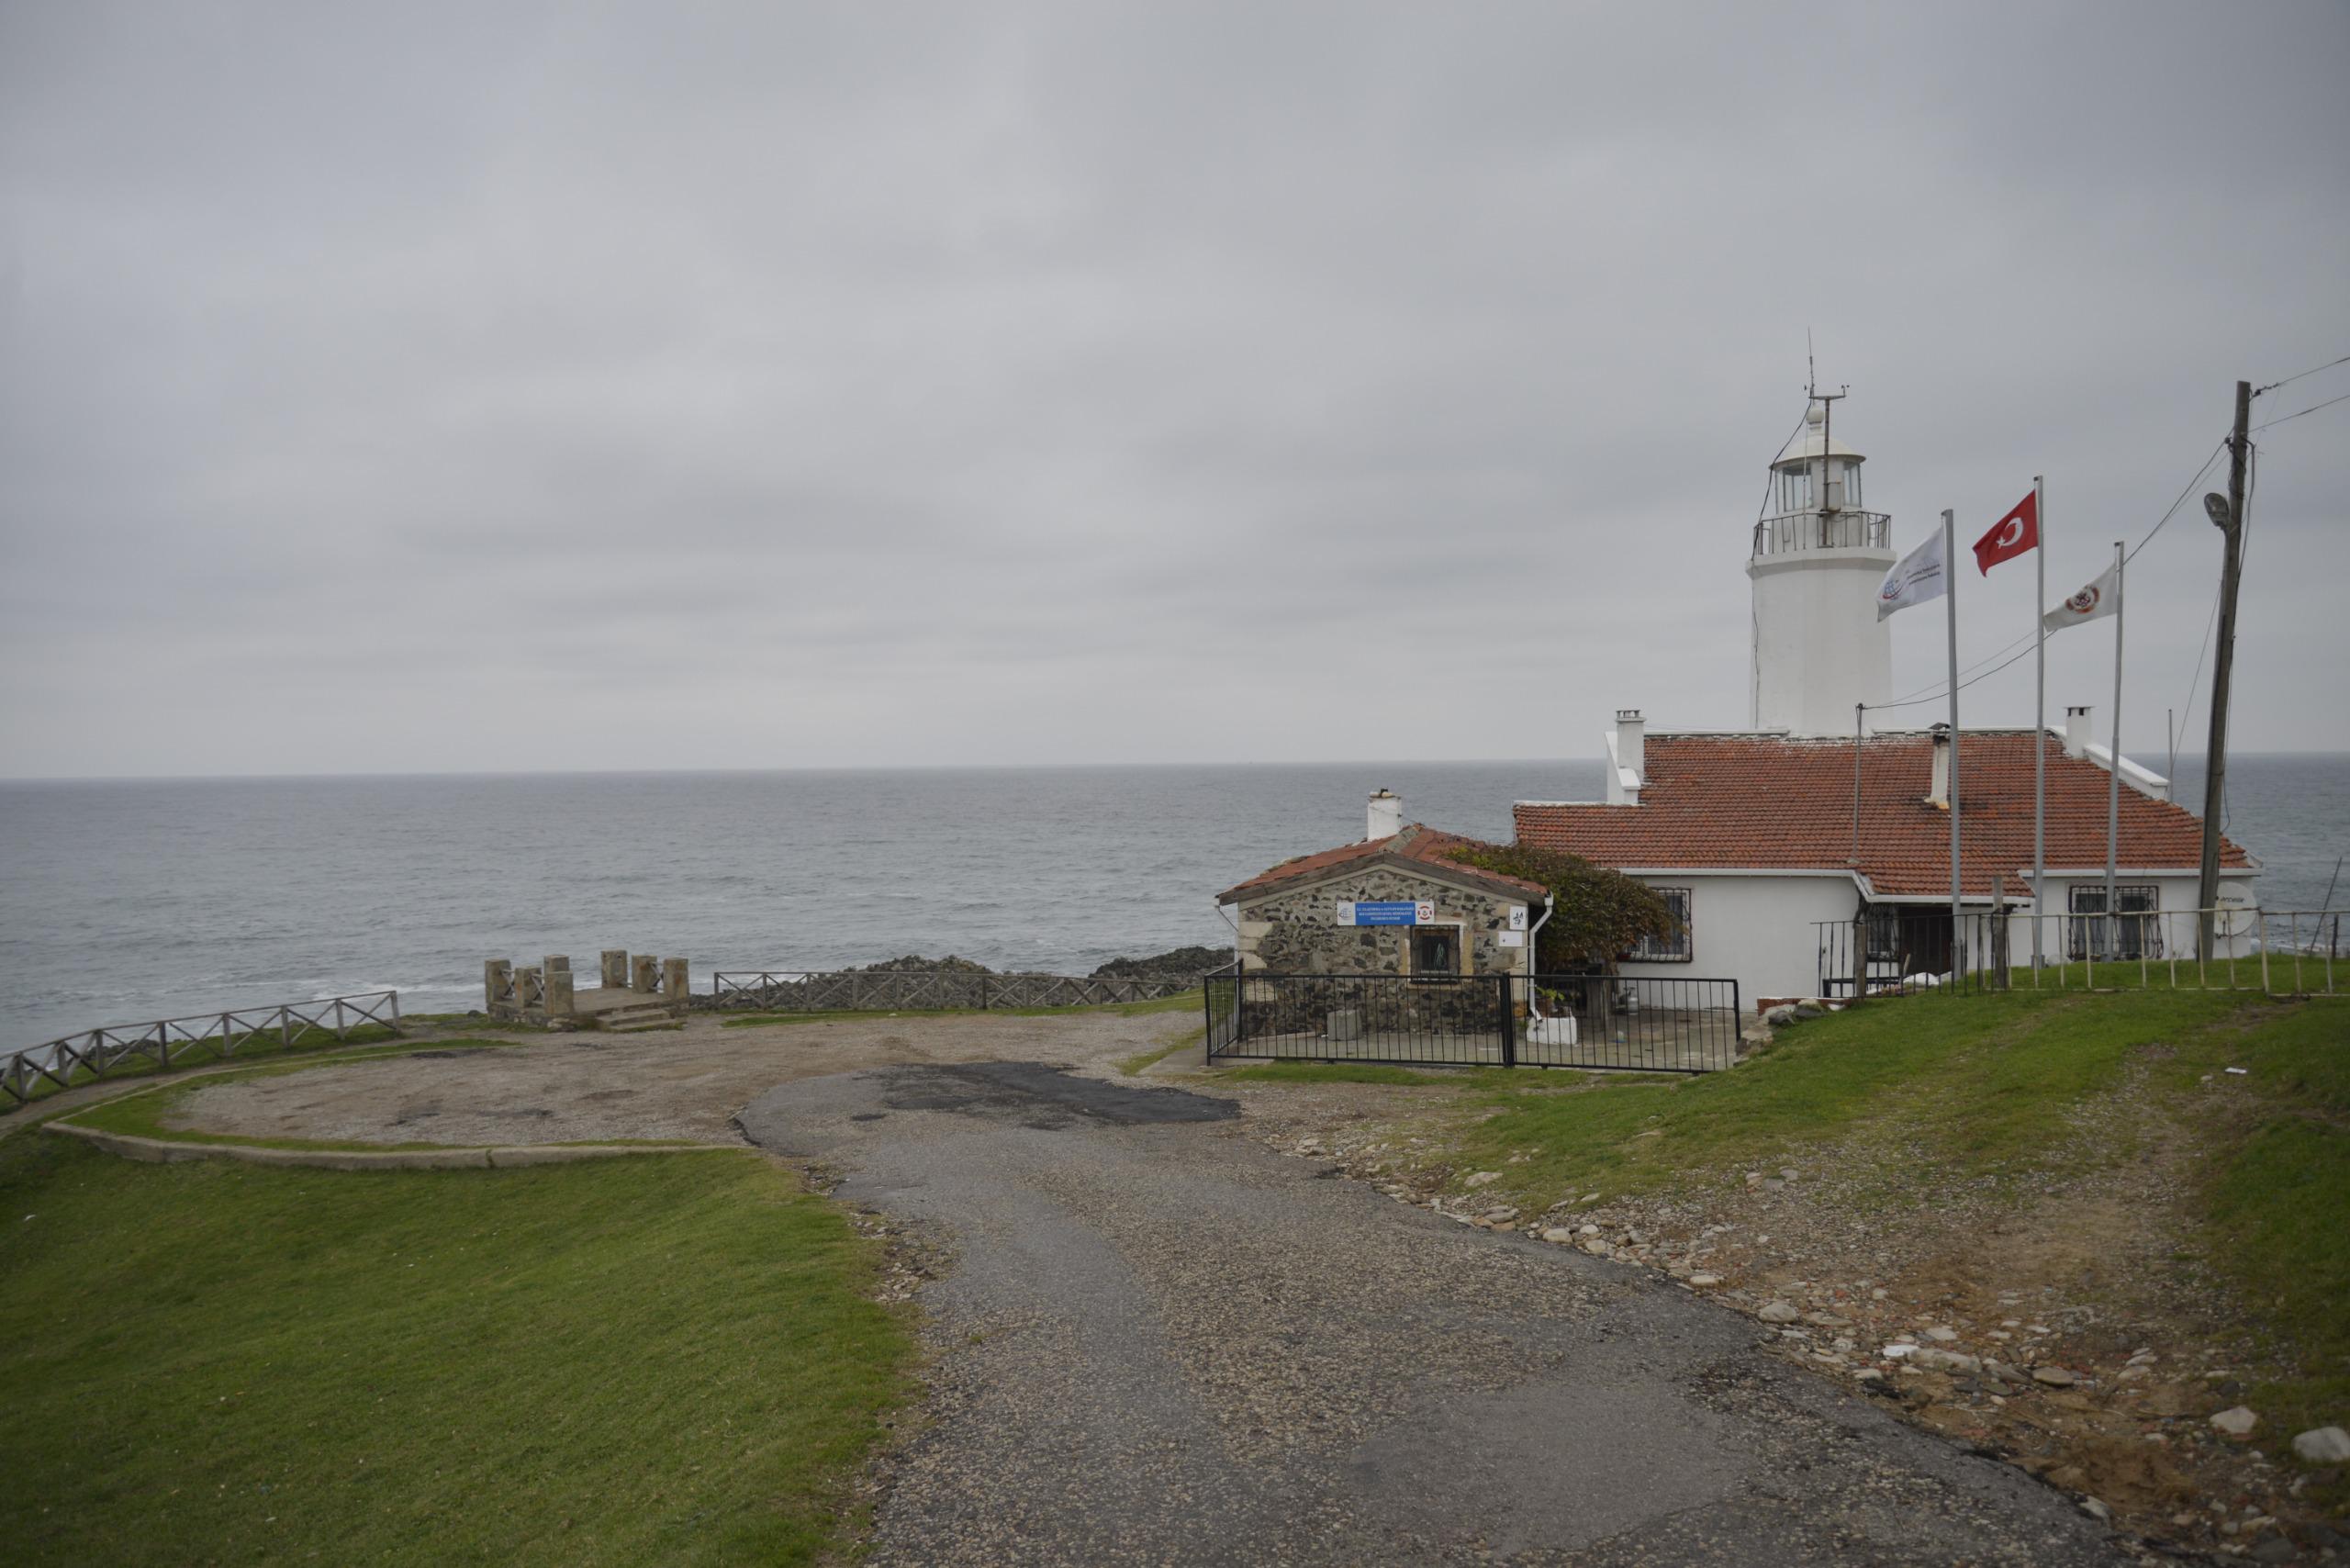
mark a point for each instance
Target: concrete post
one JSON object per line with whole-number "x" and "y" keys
{"x": 559, "y": 994}
{"x": 497, "y": 977}
{"x": 646, "y": 975}
{"x": 615, "y": 969}
{"x": 674, "y": 983}
{"x": 529, "y": 991}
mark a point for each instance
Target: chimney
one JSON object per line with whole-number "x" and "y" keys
{"x": 1938, "y": 792}
{"x": 1631, "y": 754}
{"x": 1386, "y": 817}
{"x": 2076, "y": 730}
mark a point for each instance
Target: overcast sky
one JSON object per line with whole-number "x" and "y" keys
{"x": 502, "y": 387}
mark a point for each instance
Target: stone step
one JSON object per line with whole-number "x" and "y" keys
{"x": 624, "y": 1020}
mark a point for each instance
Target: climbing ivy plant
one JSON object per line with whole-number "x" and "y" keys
{"x": 1597, "y": 915}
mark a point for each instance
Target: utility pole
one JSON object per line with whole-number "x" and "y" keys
{"x": 2215, "y": 760}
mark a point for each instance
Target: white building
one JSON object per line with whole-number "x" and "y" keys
{"x": 1759, "y": 838}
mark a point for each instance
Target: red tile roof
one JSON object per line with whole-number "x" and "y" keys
{"x": 1417, "y": 842}
{"x": 1771, "y": 801}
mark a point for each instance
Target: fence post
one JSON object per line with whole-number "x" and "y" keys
{"x": 1509, "y": 1024}
{"x": 983, "y": 994}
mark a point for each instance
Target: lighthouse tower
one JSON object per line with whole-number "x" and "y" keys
{"x": 1817, "y": 561}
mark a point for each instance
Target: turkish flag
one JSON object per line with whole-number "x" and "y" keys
{"x": 2011, "y": 535}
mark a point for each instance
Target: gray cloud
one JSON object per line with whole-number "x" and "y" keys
{"x": 636, "y": 386}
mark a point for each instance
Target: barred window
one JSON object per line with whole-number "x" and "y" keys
{"x": 2137, "y": 933}
{"x": 1677, "y": 948}
{"x": 1436, "y": 952}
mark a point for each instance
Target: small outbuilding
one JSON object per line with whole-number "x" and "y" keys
{"x": 1396, "y": 903}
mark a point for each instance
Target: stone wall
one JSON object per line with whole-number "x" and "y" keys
{"x": 1297, "y": 931}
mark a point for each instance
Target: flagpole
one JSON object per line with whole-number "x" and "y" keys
{"x": 2040, "y": 722}
{"x": 1949, "y": 592}
{"x": 2113, "y": 782}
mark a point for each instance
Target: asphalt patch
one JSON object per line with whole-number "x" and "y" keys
{"x": 1040, "y": 1096}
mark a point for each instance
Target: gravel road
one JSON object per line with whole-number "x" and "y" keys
{"x": 1161, "y": 1342}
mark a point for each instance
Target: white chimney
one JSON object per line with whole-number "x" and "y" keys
{"x": 2076, "y": 730}
{"x": 1938, "y": 791}
{"x": 1631, "y": 751}
{"x": 1387, "y": 816}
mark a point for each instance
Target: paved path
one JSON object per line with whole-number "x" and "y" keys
{"x": 1160, "y": 1342}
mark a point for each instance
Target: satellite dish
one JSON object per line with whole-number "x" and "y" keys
{"x": 2217, "y": 504}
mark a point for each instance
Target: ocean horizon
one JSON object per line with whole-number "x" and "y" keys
{"x": 128, "y": 900}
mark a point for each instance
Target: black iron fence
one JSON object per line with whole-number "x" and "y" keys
{"x": 1676, "y": 1024}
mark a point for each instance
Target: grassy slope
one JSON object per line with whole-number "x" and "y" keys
{"x": 667, "y": 1359}
{"x": 1986, "y": 1084}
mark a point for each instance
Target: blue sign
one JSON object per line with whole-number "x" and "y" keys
{"x": 1406, "y": 914}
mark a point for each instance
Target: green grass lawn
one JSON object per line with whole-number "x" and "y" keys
{"x": 663, "y": 1360}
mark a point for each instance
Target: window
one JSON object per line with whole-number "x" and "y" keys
{"x": 1676, "y": 948}
{"x": 1885, "y": 935}
{"x": 1794, "y": 489}
{"x": 1852, "y": 484}
{"x": 1436, "y": 952}
{"x": 2136, "y": 934}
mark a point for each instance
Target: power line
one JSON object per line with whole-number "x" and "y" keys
{"x": 2328, "y": 364}
{"x": 2183, "y": 494}
{"x": 2312, "y": 409}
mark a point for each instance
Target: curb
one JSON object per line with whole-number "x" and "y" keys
{"x": 164, "y": 1151}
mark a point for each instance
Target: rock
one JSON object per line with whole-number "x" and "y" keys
{"x": 2236, "y": 1421}
{"x": 1778, "y": 1312}
{"x": 1899, "y": 1351}
{"x": 2054, "y": 1377}
{"x": 2323, "y": 1445}
{"x": 1944, "y": 1361}
{"x": 1596, "y": 1246}
{"x": 2274, "y": 1549}
{"x": 1479, "y": 1177}
{"x": 1703, "y": 1281}
{"x": 1942, "y": 1336}
{"x": 1591, "y": 1230}
{"x": 1559, "y": 1233}
{"x": 1780, "y": 1017}
{"x": 2096, "y": 1509}
{"x": 1808, "y": 1010}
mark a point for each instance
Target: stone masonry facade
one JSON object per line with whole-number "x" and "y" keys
{"x": 1296, "y": 931}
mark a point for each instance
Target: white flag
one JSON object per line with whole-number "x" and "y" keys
{"x": 2098, "y": 598}
{"x": 1915, "y": 578}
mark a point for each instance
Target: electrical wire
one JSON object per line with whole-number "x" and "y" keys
{"x": 2312, "y": 409}
{"x": 2183, "y": 494}
{"x": 2328, "y": 364}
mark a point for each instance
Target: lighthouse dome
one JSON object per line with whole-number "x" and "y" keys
{"x": 1812, "y": 440}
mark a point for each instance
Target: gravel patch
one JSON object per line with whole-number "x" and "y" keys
{"x": 1158, "y": 1340}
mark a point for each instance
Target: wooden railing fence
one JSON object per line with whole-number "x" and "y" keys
{"x": 100, "y": 1053}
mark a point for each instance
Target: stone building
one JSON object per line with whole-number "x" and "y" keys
{"x": 1394, "y": 903}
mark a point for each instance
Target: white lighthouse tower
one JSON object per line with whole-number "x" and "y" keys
{"x": 1817, "y": 561}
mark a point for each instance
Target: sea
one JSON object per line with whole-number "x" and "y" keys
{"x": 123, "y": 902}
